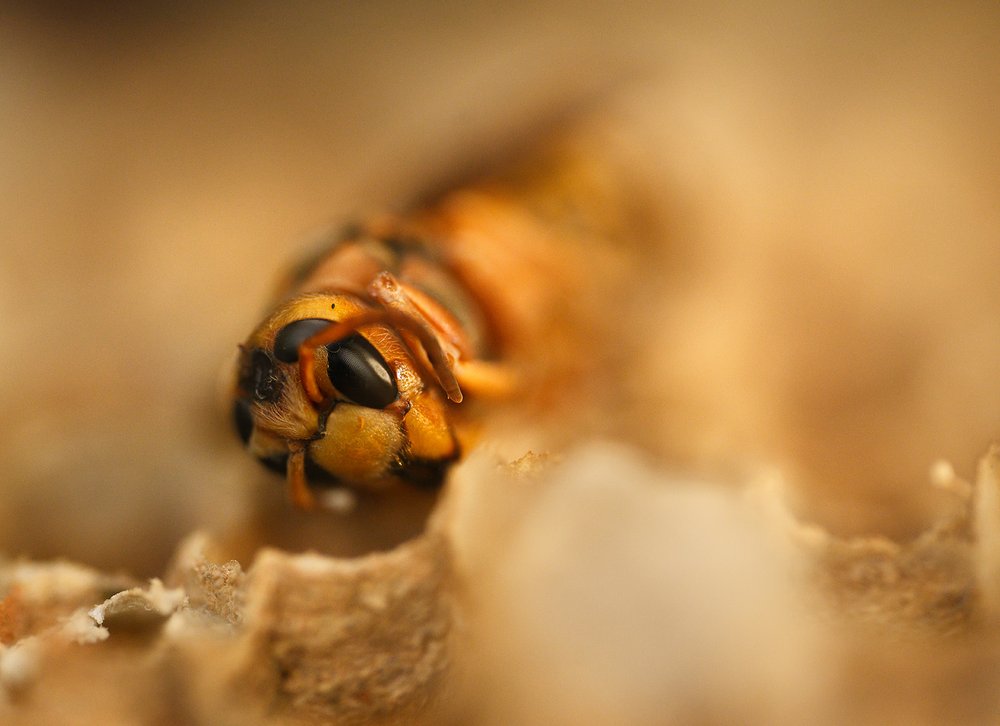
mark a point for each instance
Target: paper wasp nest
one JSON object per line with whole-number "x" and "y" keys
{"x": 588, "y": 590}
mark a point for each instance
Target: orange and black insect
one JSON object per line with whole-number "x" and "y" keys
{"x": 358, "y": 375}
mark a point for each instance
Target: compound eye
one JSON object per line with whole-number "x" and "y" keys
{"x": 243, "y": 419}
{"x": 260, "y": 379}
{"x": 293, "y": 335}
{"x": 359, "y": 372}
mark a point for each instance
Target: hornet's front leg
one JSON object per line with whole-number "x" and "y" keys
{"x": 448, "y": 352}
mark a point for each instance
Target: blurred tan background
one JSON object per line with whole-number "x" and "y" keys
{"x": 830, "y": 177}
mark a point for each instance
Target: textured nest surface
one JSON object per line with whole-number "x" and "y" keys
{"x": 591, "y": 589}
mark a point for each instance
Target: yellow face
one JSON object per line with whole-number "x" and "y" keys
{"x": 377, "y": 423}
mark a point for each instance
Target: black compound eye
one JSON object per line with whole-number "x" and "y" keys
{"x": 243, "y": 419}
{"x": 290, "y": 337}
{"x": 358, "y": 371}
{"x": 260, "y": 378}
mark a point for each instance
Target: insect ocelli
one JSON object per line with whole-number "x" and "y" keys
{"x": 362, "y": 373}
